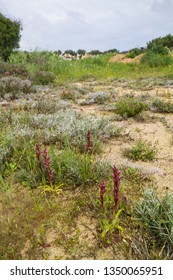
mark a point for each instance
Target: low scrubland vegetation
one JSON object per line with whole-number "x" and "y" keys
{"x": 59, "y": 190}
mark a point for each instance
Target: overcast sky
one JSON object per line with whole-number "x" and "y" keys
{"x": 90, "y": 24}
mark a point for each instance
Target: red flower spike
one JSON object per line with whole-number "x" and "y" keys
{"x": 38, "y": 155}
{"x": 116, "y": 179}
{"x": 46, "y": 161}
{"x": 102, "y": 192}
{"x": 89, "y": 142}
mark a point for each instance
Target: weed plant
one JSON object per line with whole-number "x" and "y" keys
{"x": 8, "y": 69}
{"x": 155, "y": 216}
{"x": 161, "y": 106}
{"x": 70, "y": 127}
{"x": 43, "y": 77}
{"x": 129, "y": 106}
{"x": 15, "y": 86}
{"x": 154, "y": 59}
{"x": 134, "y": 176}
{"x": 67, "y": 167}
{"x": 44, "y": 105}
{"x": 79, "y": 170}
{"x": 142, "y": 150}
{"x": 69, "y": 95}
{"x": 98, "y": 97}
{"x": 135, "y": 52}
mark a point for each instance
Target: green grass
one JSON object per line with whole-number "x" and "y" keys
{"x": 95, "y": 68}
{"x": 155, "y": 216}
{"x": 155, "y": 59}
{"x": 141, "y": 150}
{"x": 72, "y": 71}
{"x": 161, "y": 106}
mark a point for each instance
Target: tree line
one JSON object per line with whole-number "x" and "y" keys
{"x": 10, "y": 34}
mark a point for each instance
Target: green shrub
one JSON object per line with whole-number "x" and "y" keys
{"x": 142, "y": 150}
{"x": 10, "y": 36}
{"x": 44, "y": 77}
{"x": 45, "y": 106}
{"x": 162, "y": 106}
{"x": 129, "y": 106}
{"x": 13, "y": 70}
{"x": 166, "y": 41}
{"x": 19, "y": 71}
{"x": 74, "y": 126}
{"x": 40, "y": 59}
{"x": 65, "y": 127}
{"x": 98, "y": 97}
{"x": 15, "y": 86}
{"x": 79, "y": 170}
{"x": 134, "y": 175}
{"x": 155, "y": 216}
{"x": 159, "y": 49}
{"x": 135, "y": 52}
{"x": 153, "y": 59}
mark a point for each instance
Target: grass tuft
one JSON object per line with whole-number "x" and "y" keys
{"x": 142, "y": 150}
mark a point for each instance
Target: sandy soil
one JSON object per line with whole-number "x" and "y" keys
{"x": 152, "y": 129}
{"x": 122, "y": 58}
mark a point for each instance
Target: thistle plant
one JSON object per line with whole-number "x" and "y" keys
{"x": 116, "y": 179}
{"x": 46, "y": 162}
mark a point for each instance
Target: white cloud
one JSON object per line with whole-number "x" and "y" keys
{"x": 90, "y": 24}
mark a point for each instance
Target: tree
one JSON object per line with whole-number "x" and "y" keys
{"x": 81, "y": 52}
{"x": 59, "y": 52}
{"x": 112, "y": 51}
{"x": 71, "y": 52}
{"x": 9, "y": 36}
{"x": 166, "y": 41}
{"x": 95, "y": 52}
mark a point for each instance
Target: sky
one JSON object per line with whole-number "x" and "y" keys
{"x": 89, "y": 24}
